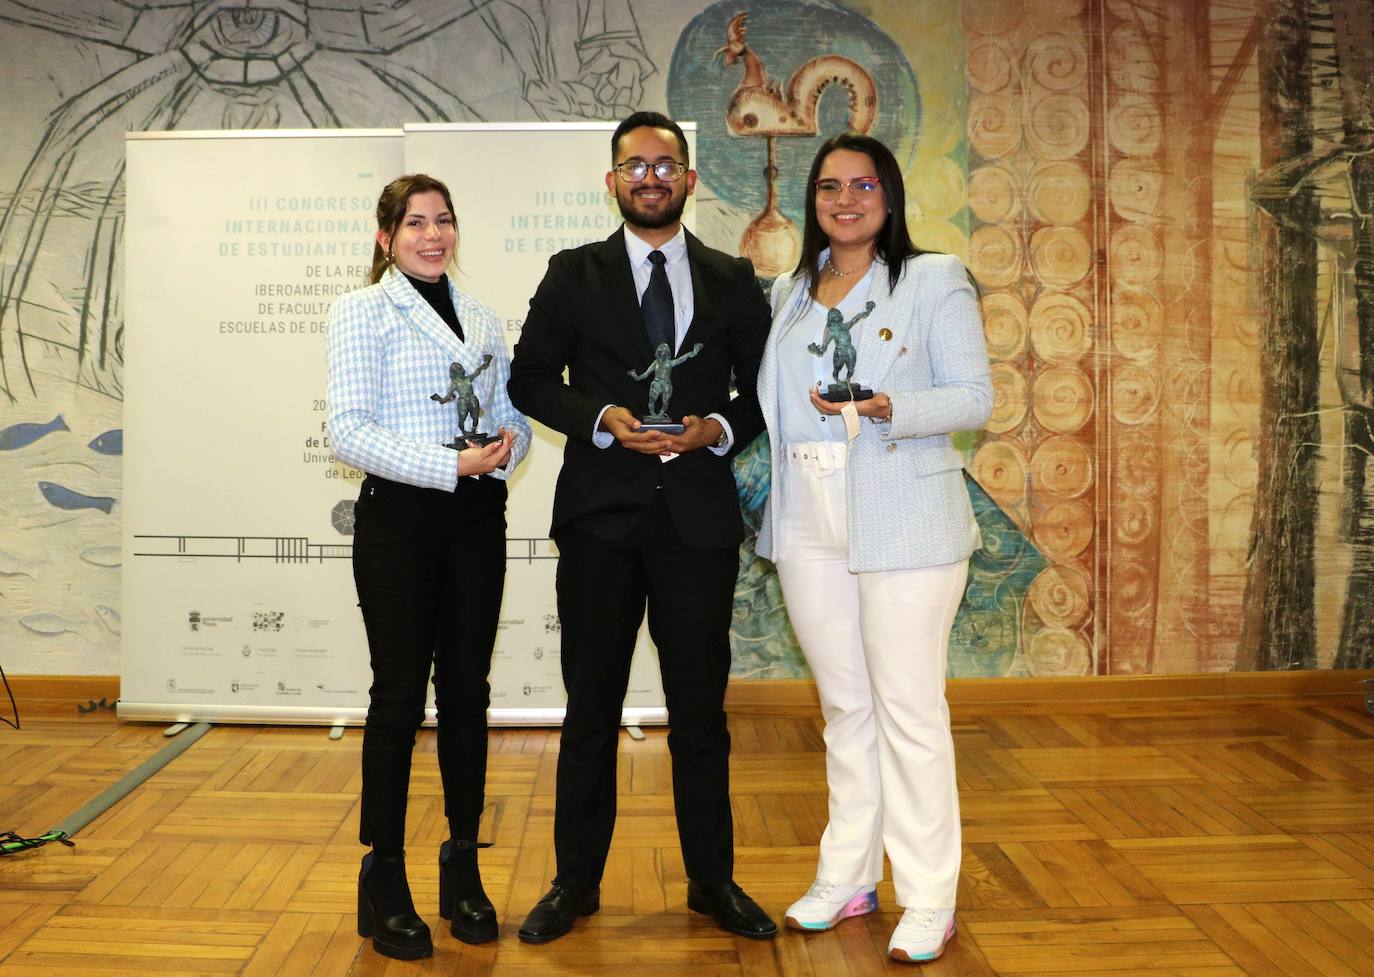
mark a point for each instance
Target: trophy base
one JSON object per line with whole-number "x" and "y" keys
{"x": 478, "y": 440}
{"x": 840, "y": 393}
{"x": 664, "y": 425}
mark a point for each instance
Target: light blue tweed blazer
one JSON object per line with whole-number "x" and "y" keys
{"x": 388, "y": 351}
{"x": 907, "y": 503}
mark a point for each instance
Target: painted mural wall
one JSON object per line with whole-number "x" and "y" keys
{"x": 1168, "y": 205}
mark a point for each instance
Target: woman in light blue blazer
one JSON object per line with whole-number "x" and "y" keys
{"x": 870, "y": 525}
{"x": 417, "y": 400}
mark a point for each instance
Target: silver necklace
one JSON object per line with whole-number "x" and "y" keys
{"x": 830, "y": 267}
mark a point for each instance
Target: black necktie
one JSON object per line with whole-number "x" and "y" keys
{"x": 657, "y": 305}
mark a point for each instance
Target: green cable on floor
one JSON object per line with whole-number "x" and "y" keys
{"x": 10, "y": 843}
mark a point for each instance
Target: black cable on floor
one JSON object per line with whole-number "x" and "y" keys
{"x": 13, "y": 705}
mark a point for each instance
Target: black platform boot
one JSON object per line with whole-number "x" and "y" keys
{"x": 386, "y": 913}
{"x": 462, "y": 900}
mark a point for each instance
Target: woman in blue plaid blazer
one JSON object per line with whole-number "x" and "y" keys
{"x": 417, "y": 400}
{"x": 870, "y": 525}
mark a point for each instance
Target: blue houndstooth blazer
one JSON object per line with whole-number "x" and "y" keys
{"x": 388, "y": 351}
{"x": 907, "y": 503}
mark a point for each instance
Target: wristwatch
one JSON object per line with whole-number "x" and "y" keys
{"x": 724, "y": 440}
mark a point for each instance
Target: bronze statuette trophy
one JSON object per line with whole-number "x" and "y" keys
{"x": 837, "y": 330}
{"x": 661, "y": 389}
{"x": 469, "y": 407}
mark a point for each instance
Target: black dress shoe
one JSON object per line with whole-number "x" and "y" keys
{"x": 555, "y": 914}
{"x": 462, "y": 900}
{"x": 386, "y": 912}
{"x": 732, "y": 910}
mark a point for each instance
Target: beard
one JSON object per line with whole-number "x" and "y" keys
{"x": 649, "y": 220}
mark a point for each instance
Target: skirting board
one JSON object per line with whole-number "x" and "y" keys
{"x": 50, "y": 695}
{"x": 59, "y": 695}
{"x": 786, "y": 695}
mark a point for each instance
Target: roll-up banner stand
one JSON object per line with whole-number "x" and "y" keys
{"x": 238, "y": 599}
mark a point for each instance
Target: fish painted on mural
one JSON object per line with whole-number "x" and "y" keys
{"x": 25, "y": 433}
{"x": 105, "y": 555}
{"x": 12, "y": 566}
{"x": 46, "y": 622}
{"x": 109, "y": 617}
{"x": 109, "y": 443}
{"x": 65, "y": 498}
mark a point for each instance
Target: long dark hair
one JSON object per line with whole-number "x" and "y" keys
{"x": 391, "y": 210}
{"x": 894, "y": 240}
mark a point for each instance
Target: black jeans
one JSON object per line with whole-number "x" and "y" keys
{"x": 429, "y": 567}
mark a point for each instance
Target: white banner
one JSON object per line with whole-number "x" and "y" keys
{"x": 238, "y": 599}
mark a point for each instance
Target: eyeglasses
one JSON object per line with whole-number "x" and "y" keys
{"x": 863, "y": 187}
{"x": 635, "y": 170}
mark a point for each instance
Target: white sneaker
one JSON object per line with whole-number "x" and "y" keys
{"x": 921, "y": 934}
{"x": 826, "y": 903}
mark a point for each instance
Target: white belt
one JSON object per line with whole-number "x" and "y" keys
{"x": 820, "y": 456}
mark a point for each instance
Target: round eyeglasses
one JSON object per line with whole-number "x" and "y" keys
{"x": 635, "y": 170}
{"x": 862, "y": 188}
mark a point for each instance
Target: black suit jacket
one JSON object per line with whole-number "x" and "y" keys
{"x": 585, "y": 318}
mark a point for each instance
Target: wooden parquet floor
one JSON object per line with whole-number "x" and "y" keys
{"x": 1183, "y": 838}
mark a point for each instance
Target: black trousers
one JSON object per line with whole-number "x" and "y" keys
{"x": 429, "y": 567}
{"x": 603, "y": 588}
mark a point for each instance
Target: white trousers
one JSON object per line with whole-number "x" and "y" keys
{"x": 877, "y": 645}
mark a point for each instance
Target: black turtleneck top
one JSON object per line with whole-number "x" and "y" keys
{"x": 436, "y": 294}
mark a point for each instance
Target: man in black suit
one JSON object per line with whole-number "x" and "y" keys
{"x": 642, "y": 516}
